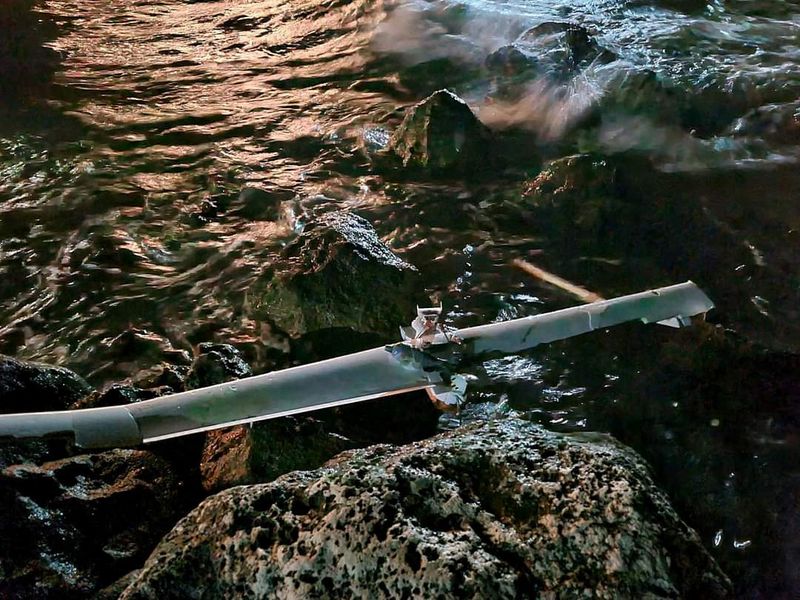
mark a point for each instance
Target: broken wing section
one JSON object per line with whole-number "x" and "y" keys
{"x": 352, "y": 378}
{"x": 673, "y": 304}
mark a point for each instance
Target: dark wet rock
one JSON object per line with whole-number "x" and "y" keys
{"x": 26, "y": 65}
{"x": 397, "y": 419}
{"x": 774, "y": 124}
{"x": 132, "y": 352}
{"x": 502, "y": 510}
{"x": 264, "y": 451}
{"x": 163, "y": 376}
{"x": 72, "y": 526}
{"x": 442, "y": 135}
{"x": 562, "y": 48}
{"x": 258, "y": 203}
{"x": 30, "y": 386}
{"x": 113, "y": 591}
{"x": 630, "y": 91}
{"x": 339, "y": 274}
{"x": 511, "y": 61}
{"x": 660, "y": 229}
{"x": 216, "y": 363}
{"x": 708, "y": 410}
{"x": 576, "y": 200}
{"x": 118, "y": 394}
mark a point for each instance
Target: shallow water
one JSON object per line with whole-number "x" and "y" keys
{"x": 120, "y": 205}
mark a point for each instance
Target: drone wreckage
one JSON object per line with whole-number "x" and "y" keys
{"x": 427, "y": 358}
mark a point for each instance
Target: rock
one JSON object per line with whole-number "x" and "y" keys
{"x": 575, "y": 200}
{"x": 72, "y": 526}
{"x": 339, "y": 274}
{"x": 511, "y": 61}
{"x": 257, "y": 203}
{"x": 774, "y": 123}
{"x": 113, "y": 591}
{"x": 632, "y": 91}
{"x": 502, "y": 510}
{"x": 441, "y": 135}
{"x": 562, "y": 48}
{"x": 30, "y": 386}
{"x": 216, "y": 363}
{"x": 117, "y": 394}
{"x": 395, "y": 420}
{"x": 660, "y": 228}
{"x": 264, "y": 451}
{"x": 132, "y": 352}
{"x": 164, "y": 375}
{"x": 26, "y": 65}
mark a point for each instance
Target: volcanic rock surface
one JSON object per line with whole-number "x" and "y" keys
{"x": 503, "y": 510}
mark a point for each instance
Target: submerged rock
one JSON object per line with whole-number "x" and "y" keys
{"x": 72, "y": 526}
{"x": 501, "y": 510}
{"x": 339, "y": 274}
{"x": 441, "y": 135}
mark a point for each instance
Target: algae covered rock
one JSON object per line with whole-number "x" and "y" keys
{"x": 501, "y": 510}
{"x": 71, "y": 526}
{"x": 441, "y": 135}
{"x": 338, "y": 273}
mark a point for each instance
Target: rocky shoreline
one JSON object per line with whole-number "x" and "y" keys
{"x": 311, "y": 507}
{"x": 502, "y": 508}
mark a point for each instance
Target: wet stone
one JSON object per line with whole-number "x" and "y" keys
{"x": 511, "y": 61}
{"x": 132, "y": 352}
{"x": 265, "y": 450}
{"x": 562, "y": 48}
{"x": 119, "y": 394}
{"x": 502, "y": 510}
{"x": 442, "y": 135}
{"x": 71, "y": 526}
{"x": 339, "y": 274}
{"x": 29, "y": 386}
{"x": 216, "y": 363}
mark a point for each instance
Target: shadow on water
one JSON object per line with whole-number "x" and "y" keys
{"x": 155, "y": 157}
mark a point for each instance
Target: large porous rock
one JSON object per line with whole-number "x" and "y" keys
{"x": 501, "y": 510}
{"x": 442, "y": 135}
{"x": 338, "y": 273}
{"x": 72, "y": 526}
